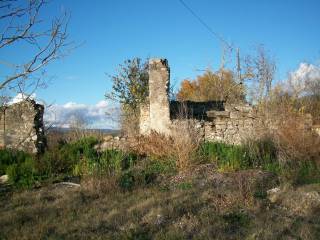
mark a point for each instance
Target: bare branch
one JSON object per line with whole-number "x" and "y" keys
{"x": 22, "y": 23}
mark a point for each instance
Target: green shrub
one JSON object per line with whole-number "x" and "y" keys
{"x": 261, "y": 153}
{"x": 110, "y": 162}
{"x": 252, "y": 154}
{"x": 68, "y": 158}
{"x": 9, "y": 157}
{"x": 19, "y": 166}
{"x": 113, "y": 162}
{"x": 227, "y": 157}
{"x": 149, "y": 170}
{"x": 127, "y": 181}
{"x": 23, "y": 174}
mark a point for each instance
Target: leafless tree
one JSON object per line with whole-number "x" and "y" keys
{"x": 260, "y": 69}
{"x": 22, "y": 27}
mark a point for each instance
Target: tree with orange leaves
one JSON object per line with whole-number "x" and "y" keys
{"x": 211, "y": 86}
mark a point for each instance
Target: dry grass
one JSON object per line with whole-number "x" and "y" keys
{"x": 223, "y": 211}
{"x": 290, "y": 127}
{"x": 180, "y": 146}
{"x": 295, "y": 142}
{"x": 99, "y": 185}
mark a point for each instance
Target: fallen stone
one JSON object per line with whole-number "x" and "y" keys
{"x": 69, "y": 184}
{"x": 4, "y": 179}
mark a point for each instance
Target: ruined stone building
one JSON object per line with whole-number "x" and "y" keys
{"x": 21, "y": 126}
{"x": 214, "y": 121}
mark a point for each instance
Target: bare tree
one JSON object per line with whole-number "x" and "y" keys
{"x": 260, "y": 69}
{"x": 21, "y": 26}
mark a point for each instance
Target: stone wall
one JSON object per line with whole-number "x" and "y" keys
{"x": 21, "y": 127}
{"x": 233, "y": 124}
{"x": 213, "y": 121}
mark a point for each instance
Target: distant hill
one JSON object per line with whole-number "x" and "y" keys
{"x": 66, "y": 130}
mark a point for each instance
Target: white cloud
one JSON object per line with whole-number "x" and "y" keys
{"x": 101, "y": 115}
{"x": 306, "y": 75}
{"x": 21, "y": 97}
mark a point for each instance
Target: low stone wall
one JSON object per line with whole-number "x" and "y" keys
{"x": 235, "y": 124}
{"x": 21, "y": 127}
{"x": 232, "y": 125}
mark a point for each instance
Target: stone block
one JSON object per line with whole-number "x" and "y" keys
{"x": 22, "y": 126}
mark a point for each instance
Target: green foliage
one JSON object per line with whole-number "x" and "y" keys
{"x": 130, "y": 85}
{"x": 154, "y": 168}
{"x": 260, "y": 194}
{"x": 9, "y": 157}
{"x": 228, "y": 157}
{"x": 19, "y": 166}
{"x": 80, "y": 159}
{"x": 24, "y": 169}
{"x": 110, "y": 162}
{"x": 64, "y": 158}
{"x": 77, "y": 158}
{"x": 253, "y": 154}
{"x": 261, "y": 153}
{"x": 22, "y": 174}
{"x": 161, "y": 166}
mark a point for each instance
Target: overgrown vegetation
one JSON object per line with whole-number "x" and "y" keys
{"x": 74, "y": 159}
{"x": 130, "y": 89}
{"x": 155, "y": 156}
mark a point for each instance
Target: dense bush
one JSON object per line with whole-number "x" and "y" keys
{"x": 23, "y": 174}
{"x": 64, "y": 158}
{"x": 9, "y": 157}
{"x": 19, "y": 166}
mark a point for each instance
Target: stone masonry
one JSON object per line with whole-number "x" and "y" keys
{"x": 156, "y": 112}
{"x": 21, "y": 127}
{"x": 215, "y": 121}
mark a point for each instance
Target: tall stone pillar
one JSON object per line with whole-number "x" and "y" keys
{"x": 159, "y": 84}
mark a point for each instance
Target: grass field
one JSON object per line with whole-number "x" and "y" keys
{"x": 203, "y": 205}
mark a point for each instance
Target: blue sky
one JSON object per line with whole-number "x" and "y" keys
{"x": 111, "y": 31}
